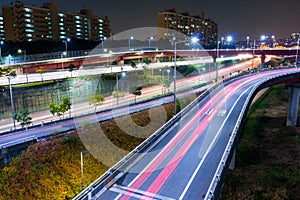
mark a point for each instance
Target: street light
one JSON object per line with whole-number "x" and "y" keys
{"x": 9, "y": 77}
{"x": 20, "y": 51}
{"x": 218, "y": 45}
{"x": 193, "y": 40}
{"x": 297, "y": 50}
{"x": 66, "y": 44}
{"x": 81, "y": 166}
{"x": 262, "y": 38}
{"x": 123, "y": 74}
{"x": 151, "y": 38}
{"x": 62, "y": 61}
{"x": 273, "y": 38}
{"x": 247, "y": 41}
{"x": 253, "y": 52}
{"x": 1, "y": 43}
{"x": 131, "y": 38}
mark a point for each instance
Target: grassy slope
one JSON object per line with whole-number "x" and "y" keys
{"x": 267, "y": 159}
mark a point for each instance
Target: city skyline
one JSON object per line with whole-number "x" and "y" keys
{"x": 267, "y": 17}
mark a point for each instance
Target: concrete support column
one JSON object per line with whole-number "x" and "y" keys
{"x": 293, "y": 106}
{"x": 232, "y": 162}
{"x": 263, "y": 57}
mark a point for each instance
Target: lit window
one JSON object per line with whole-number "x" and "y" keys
{"x": 79, "y": 30}
{"x": 61, "y": 15}
{"x": 77, "y": 17}
{"x": 28, "y": 35}
{"x": 27, "y": 20}
{"x": 29, "y": 25}
{"x": 27, "y": 10}
{"x": 100, "y": 20}
{"x": 61, "y": 24}
{"x": 29, "y": 40}
{"x": 62, "y": 37}
{"x": 29, "y": 30}
{"x": 62, "y": 28}
{"x": 62, "y": 33}
{"x": 77, "y": 22}
{"x": 27, "y": 15}
{"x": 78, "y": 26}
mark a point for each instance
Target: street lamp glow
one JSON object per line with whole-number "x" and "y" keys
{"x": 263, "y": 37}
{"x": 229, "y": 39}
{"x": 151, "y": 38}
{"x": 131, "y": 38}
{"x": 66, "y": 44}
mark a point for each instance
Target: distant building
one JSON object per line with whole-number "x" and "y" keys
{"x": 30, "y": 23}
{"x": 205, "y": 29}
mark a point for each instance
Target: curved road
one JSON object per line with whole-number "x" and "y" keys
{"x": 183, "y": 164}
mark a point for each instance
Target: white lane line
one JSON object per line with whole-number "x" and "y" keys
{"x": 209, "y": 148}
{"x": 136, "y": 192}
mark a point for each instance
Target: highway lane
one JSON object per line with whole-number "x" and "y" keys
{"x": 186, "y": 163}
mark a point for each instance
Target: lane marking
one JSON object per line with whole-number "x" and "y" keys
{"x": 137, "y": 193}
{"x": 210, "y": 147}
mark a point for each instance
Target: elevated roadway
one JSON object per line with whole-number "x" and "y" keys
{"x": 189, "y": 156}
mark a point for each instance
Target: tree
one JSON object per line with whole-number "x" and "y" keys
{"x": 65, "y": 106}
{"x": 133, "y": 65}
{"x": 166, "y": 84}
{"x": 136, "y": 91}
{"x": 120, "y": 94}
{"x": 60, "y": 110}
{"x": 55, "y": 109}
{"x": 96, "y": 99}
{"x": 23, "y": 117}
{"x": 5, "y": 71}
{"x": 40, "y": 70}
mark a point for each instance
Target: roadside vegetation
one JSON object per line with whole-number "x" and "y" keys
{"x": 267, "y": 156}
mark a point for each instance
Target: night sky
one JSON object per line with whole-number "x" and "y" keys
{"x": 237, "y": 17}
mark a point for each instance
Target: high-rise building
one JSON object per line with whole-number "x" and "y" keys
{"x": 31, "y": 23}
{"x": 205, "y": 29}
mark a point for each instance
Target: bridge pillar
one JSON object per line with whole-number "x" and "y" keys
{"x": 153, "y": 59}
{"x": 263, "y": 57}
{"x": 292, "y": 115}
{"x": 232, "y": 162}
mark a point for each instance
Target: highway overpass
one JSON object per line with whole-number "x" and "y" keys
{"x": 188, "y": 157}
{"x": 99, "y": 57}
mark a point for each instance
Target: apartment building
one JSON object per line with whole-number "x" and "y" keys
{"x": 31, "y": 23}
{"x": 205, "y": 29}
{"x": 2, "y": 37}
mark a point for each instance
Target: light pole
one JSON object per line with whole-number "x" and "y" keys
{"x": 168, "y": 71}
{"x": 62, "y": 61}
{"x": 216, "y": 63}
{"x": 20, "y": 51}
{"x": 129, "y": 42}
{"x": 297, "y": 50}
{"x": 262, "y": 38}
{"x": 151, "y": 38}
{"x": 247, "y": 45}
{"x": 66, "y": 44}
{"x": 9, "y": 77}
{"x": 193, "y": 40}
{"x": 1, "y": 43}
{"x": 123, "y": 74}
{"x": 253, "y": 52}
{"x": 81, "y": 166}
{"x": 273, "y": 39}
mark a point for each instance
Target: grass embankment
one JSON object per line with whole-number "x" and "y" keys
{"x": 267, "y": 156}
{"x": 51, "y": 169}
